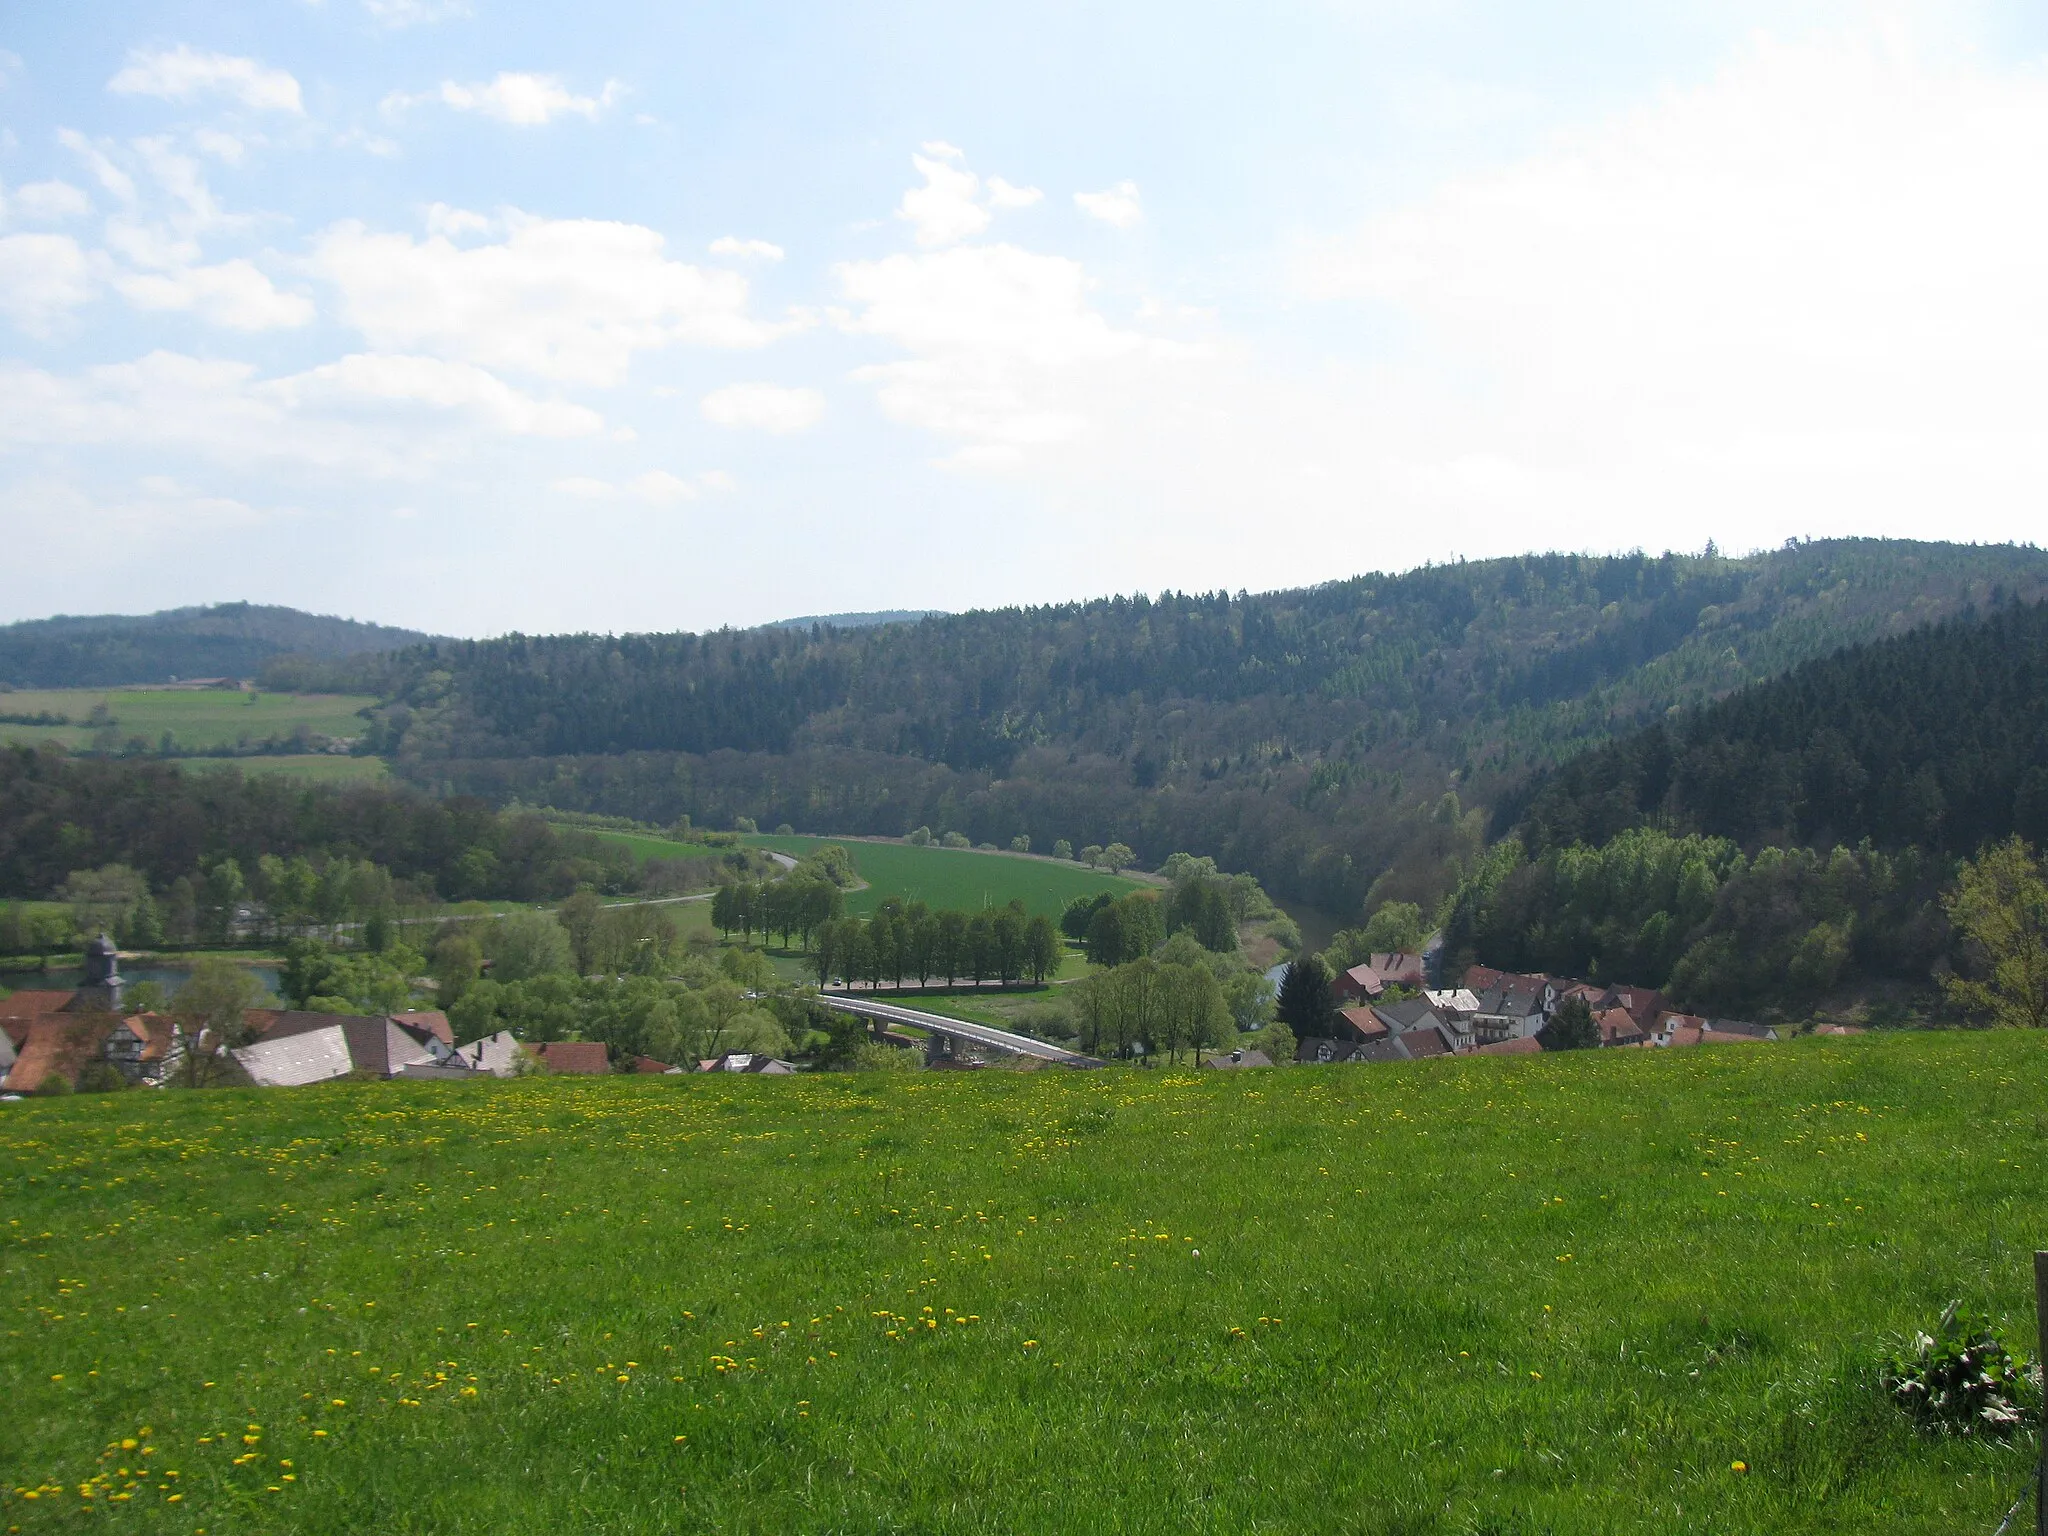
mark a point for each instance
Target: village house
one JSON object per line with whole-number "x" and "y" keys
{"x": 298, "y": 1048}
{"x": 744, "y": 1061}
{"x": 1237, "y": 1059}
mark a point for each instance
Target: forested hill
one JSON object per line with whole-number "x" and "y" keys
{"x": 1305, "y": 735}
{"x": 227, "y": 640}
{"x": 1935, "y": 740}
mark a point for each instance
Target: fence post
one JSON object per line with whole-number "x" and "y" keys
{"x": 2041, "y": 1356}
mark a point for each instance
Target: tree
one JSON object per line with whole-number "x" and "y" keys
{"x": 578, "y": 916}
{"x": 1571, "y": 1028}
{"x": 1278, "y": 1042}
{"x": 1062, "y": 849}
{"x": 1115, "y": 857}
{"x": 921, "y": 838}
{"x": 1021, "y": 843}
{"x": 1306, "y": 1002}
{"x": 457, "y": 963}
{"x": 1091, "y": 854}
{"x": 1396, "y": 928}
{"x": 1041, "y": 948}
{"x": 211, "y": 1009}
{"x": 526, "y": 944}
{"x": 1079, "y": 912}
{"x": 103, "y": 900}
{"x": 2000, "y": 905}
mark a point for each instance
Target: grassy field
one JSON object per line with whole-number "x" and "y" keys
{"x": 645, "y": 846}
{"x": 1562, "y": 1294}
{"x": 314, "y": 767}
{"x": 956, "y": 877}
{"x": 198, "y": 720}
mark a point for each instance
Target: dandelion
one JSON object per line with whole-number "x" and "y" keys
{"x": 1738, "y": 1466}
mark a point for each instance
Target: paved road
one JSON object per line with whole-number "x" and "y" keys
{"x": 974, "y": 1034}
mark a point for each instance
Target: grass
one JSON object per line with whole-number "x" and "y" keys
{"x": 1561, "y": 1294}
{"x": 956, "y": 877}
{"x": 645, "y": 846}
{"x": 199, "y": 720}
{"x": 313, "y": 767}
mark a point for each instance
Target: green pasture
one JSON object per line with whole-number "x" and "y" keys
{"x": 198, "y": 720}
{"x": 1602, "y": 1292}
{"x": 956, "y": 877}
{"x": 646, "y": 846}
{"x": 313, "y": 767}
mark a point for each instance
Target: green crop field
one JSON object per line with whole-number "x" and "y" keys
{"x": 1616, "y": 1291}
{"x": 316, "y": 767}
{"x": 198, "y": 720}
{"x": 956, "y": 877}
{"x": 646, "y": 846}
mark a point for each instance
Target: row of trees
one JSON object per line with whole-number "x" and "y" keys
{"x": 905, "y": 940}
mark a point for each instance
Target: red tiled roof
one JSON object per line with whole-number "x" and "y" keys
{"x": 1524, "y": 1045}
{"x": 430, "y": 1021}
{"x": 1365, "y": 1024}
{"x": 21, "y": 1010}
{"x": 649, "y": 1064}
{"x": 584, "y": 1056}
{"x": 58, "y": 1043}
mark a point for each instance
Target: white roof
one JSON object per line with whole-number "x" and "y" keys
{"x": 1460, "y": 1001}
{"x": 496, "y": 1054}
{"x": 296, "y": 1060}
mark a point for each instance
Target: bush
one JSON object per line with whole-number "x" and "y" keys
{"x": 873, "y": 1056}
{"x": 954, "y": 840}
{"x": 921, "y": 838}
{"x": 1959, "y": 1379}
{"x": 55, "y": 1086}
{"x": 785, "y": 830}
{"x": 1020, "y": 843}
{"x": 100, "y": 1077}
{"x": 744, "y": 825}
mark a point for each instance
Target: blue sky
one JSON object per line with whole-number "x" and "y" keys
{"x": 479, "y": 317}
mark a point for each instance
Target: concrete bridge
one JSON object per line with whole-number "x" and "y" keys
{"x": 946, "y": 1037}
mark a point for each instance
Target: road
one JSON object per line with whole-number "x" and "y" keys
{"x": 959, "y": 1029}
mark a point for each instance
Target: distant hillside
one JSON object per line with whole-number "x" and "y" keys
{"x": 227, "y": 640}
{"x": 859, "y": 620}
{"x": 1307, "y": 736}
{"x": 1936, "y": 740}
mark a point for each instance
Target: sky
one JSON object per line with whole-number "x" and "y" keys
{"x": 478, "y": 317}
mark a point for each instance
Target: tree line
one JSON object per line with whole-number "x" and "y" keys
{"x": 1288, "y": 733}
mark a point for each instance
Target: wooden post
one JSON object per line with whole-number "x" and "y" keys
{"x": 2041, "y": 1355}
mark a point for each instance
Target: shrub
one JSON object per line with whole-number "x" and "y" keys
{"x": 1062, "y": 849}
{"x": 745, "y": 825}
{"x": 921, "y": 838}
{"x": 1021, "y": 843}
{"x": 55, "y": 1086}
{"x": 785, "y": 830}
{"x": 954, "y": 840}
{"x": 1959, "y": 1379}
{"x": 873, "y": 1056}
{"x": 100, "y": 1077}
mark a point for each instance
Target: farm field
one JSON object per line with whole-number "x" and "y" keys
{"x": 197, "y": 720}
{"x": 956, "y": 877}
{"x": 645, "y": 846}
{"x": 1614, "y": 1291}
{"x": 313, "y": 767}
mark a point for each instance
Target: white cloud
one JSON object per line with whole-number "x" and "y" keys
{"x": 569, "y": 299}
{"x": 42, "y": 279}
{"x": 655, "y": 488}
{"x": 224, "y": 147}
{"x": 109, "y": 175}
{"x": 746, "y": 250}
{"x": 1005, "y": 350}
{"x": 183, "y": 73}
{"x": 10, "y": 67}
{"x": 458, "y": 388}
{"x": 49, "y": 202}
{"x": 763, "y": 408}
{"x": 412, "y": 13}
{"x": 952, "y": 205}
{"x": 231, "y": 293}
{"x": 369, "y": 415}
{"x": 1807, "y": 291}
{"x": 525, "y": 100}
{"x": 1002, "y": 195}
{"x": 1118, "y": 206}
{"x": 944, "y": 209}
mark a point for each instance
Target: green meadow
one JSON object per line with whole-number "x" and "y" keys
{"x": 198, "y": 720}
{"x": 312, "y": 767}
{"x": 1624, "y": 1291}
{"x": 960, "y": 878}
{"x": 647, "y": 846}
